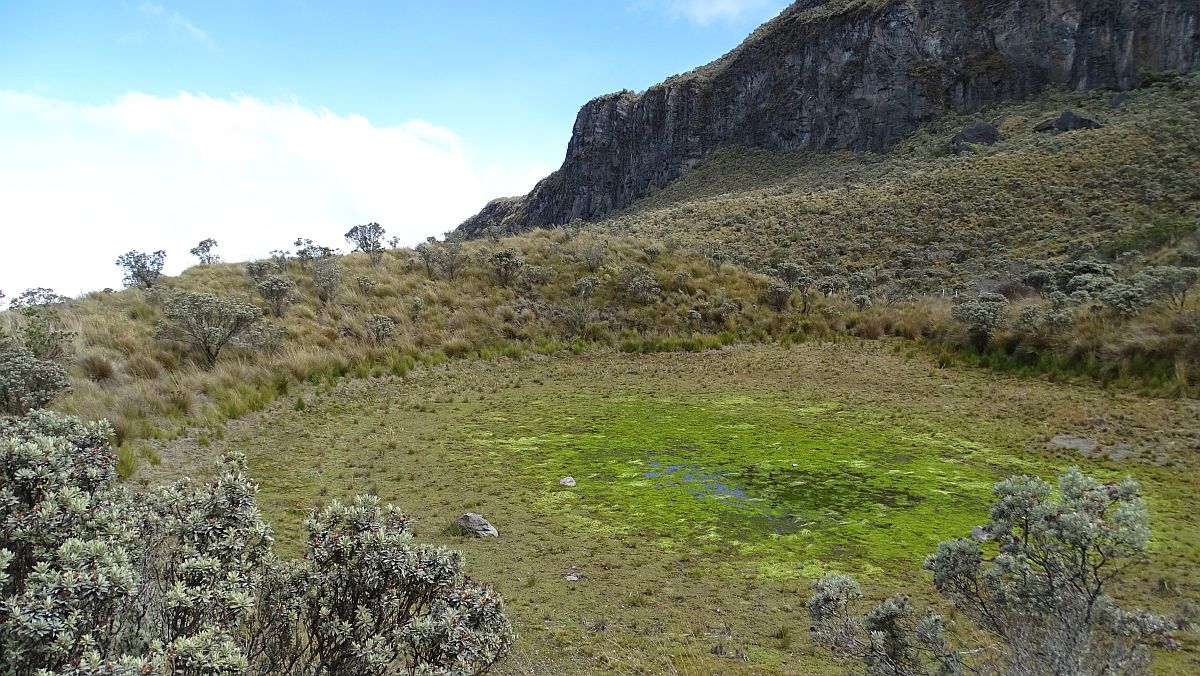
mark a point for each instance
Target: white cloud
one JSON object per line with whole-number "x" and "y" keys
{"x": 179, "y": 25}
{"x": 709, "y": 11}
{"x": 81, "y": 184}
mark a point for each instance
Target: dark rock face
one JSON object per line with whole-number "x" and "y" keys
{"x": 862, "y": 79}
{"x": 978, "y": 133}
{"x": 1068, "y": 121}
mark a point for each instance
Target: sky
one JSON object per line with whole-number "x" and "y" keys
{"x": 138, "y": 125}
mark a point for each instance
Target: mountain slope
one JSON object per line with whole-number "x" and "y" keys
{"x": 847, "y": 74}
{"x": 927, "y": 219}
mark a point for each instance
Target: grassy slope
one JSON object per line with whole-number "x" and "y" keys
{"x": 933, "y": 218}
{"x": 153, "y": 389}
{"x": 791, "y": 461}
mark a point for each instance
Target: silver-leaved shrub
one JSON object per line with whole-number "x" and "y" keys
{"x": 1034, "y": 581}
{"x": 96, "y": 579}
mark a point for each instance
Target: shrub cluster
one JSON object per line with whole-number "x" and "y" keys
{"x": 182, "y": 580}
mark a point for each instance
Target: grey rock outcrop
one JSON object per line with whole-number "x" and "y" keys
{"x": 841, "y": 74}
{"x": 1068, "y": 121}
{"x": 976, "y": 133}
{"x": 476, "y": 525}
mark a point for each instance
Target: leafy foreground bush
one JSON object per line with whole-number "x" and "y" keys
{"x": 182, "y": 580}
{"x": 26, "y": 381}
{"x": 1038, "y": 591}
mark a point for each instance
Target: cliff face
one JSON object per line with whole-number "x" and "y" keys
{"x": 853, "y": 74}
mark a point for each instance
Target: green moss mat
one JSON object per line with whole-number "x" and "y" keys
{"x": 786, "y": 488}
{"x": 711, "y": 487}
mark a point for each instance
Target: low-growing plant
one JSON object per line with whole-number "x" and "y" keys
{"x": 380, "y": 329}
{"x": 278, "y": 291}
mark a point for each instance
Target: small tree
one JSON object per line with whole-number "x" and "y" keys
{"x": 1168, "y": 282}
{"x": 832, "y": 284}
{"x": 1029, "y": 320}
{"x": 639, "y": 284}
{"x": 1059, "y": 314}
{"x": 371, "y": 597}
{"x": 306, "y": 251}
{"x": 790, "y": 273}
{"x": 593, "y": 255}
{"x": 208, "y": 322}
{"x": 260, "y": 270}
{"x": 506, "y": 263}
{"x": 452, "y": 259}
{"x": 37, "y": 298}
{"x": 368, "y": 239}
{"x": 429, "y": 254}
{"x": 1043, "y": 598}
{"x": 142, "y": 269}
{"x": 1125, "y": 300}
{"x": 182, "y": 580}
{"x": 26, "y": 382}
{"x": 204, "y": 251}
{"x": 585, "y": 287}
{"x": 327, "y": 275}
{"x": 43, "y": 335}
{"x": 277, "y": 291}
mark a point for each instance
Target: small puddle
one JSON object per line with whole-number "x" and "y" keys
{"x": 782, "y": 500}
{"x": 703, "y": 484}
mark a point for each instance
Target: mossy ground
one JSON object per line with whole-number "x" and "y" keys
{"x": 711, "y": 488}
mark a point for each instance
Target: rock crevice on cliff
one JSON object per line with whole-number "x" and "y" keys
{"x": 848, "y": 74}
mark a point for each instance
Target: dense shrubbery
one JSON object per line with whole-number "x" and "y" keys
{"x": 26, "y": 382}
{"x": 182, "y": 579}
{"x": 1039, "y": 593}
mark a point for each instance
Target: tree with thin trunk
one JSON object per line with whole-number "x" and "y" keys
{"x": 204, "y": 251}
{"x": 368, "y": 239}
{"x": 452, "y": 259}
{"x": 142, "y": 269}
{"x": 429, "y": 255}
{"x": 207, "y": 322}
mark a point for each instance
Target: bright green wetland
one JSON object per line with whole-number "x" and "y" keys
{"x": 710, "y": 489}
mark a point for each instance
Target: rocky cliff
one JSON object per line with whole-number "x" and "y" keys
{"x": 855, "y": 74}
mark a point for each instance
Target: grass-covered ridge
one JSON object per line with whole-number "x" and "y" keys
{"x": 150, "y": 388}
{"x": 932, "y": 218}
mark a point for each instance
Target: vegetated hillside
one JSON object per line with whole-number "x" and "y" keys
{"x": 384, "y": 319}
{"x": 847, "y": 74}
{"x": 930, "y": 218}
